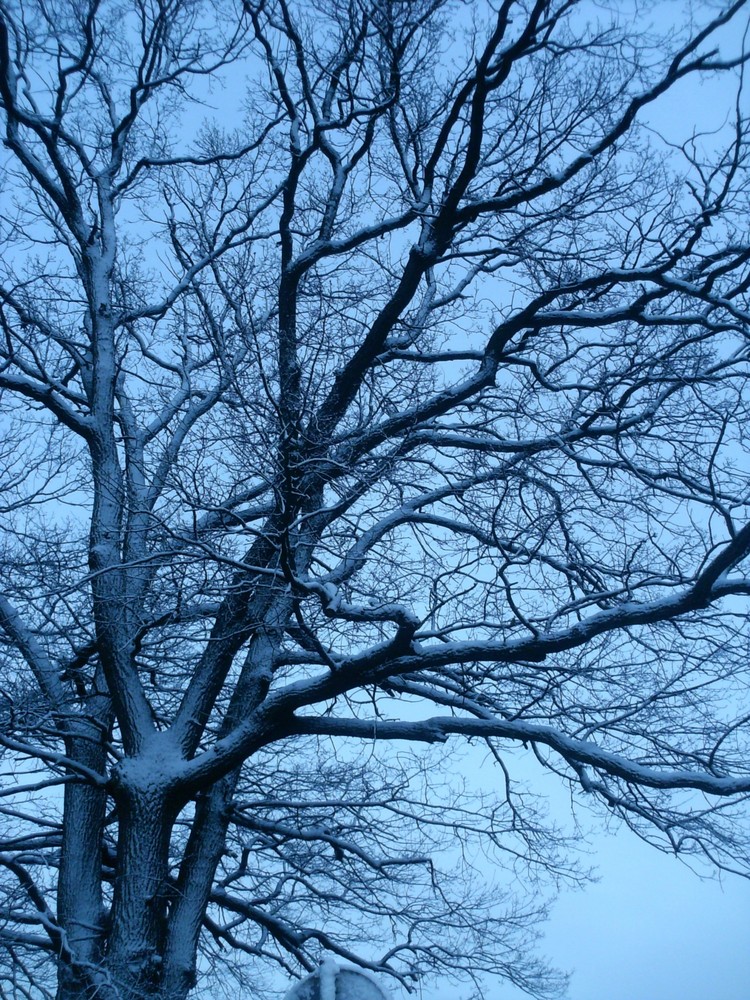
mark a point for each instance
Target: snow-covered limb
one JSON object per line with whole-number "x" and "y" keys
{"x": 334, "y": 607}
{"x": 36, "y": 786}
{"x": 54, "y": 759}
{"x": 28, "y": 645}
{"x": 377, "y": 663}
{"x": 50, "y": 397}
{"x": 569, "y": 748}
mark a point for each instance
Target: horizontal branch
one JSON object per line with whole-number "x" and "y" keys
{"x": 438, "y": 730}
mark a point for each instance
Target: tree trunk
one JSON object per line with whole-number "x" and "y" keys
{"x": 207, "y": 840}
{"x": 203, "y": 853}
{"x": 80, "y": 907}
{"x": 141, "y": 896}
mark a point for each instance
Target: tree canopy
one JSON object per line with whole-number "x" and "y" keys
{"x": 373, "y": 378}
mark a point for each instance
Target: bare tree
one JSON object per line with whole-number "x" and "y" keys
{"x": 408, "y": 407}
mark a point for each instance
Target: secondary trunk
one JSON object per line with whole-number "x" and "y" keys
{"x": 204, "y": 850}
{"x": 79, "y": 894}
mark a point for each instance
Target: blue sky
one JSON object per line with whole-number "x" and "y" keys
{"x": 652, "y": 930}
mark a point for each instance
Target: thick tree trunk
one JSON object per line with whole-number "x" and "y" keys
{"x": 139, "y": 909}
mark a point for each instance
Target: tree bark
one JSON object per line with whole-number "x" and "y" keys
{"x": 80, "y": 905}
{"x": 203, "y": 853}
{"x": 141, "y": 895}
{"x": 207, "y": 840}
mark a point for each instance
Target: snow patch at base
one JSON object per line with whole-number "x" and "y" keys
{"x": 332, "y": 982}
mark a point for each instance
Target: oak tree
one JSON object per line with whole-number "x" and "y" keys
{"x": 374, "y": 377}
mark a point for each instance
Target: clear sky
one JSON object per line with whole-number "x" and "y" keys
{"x": 648, "y": 929}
